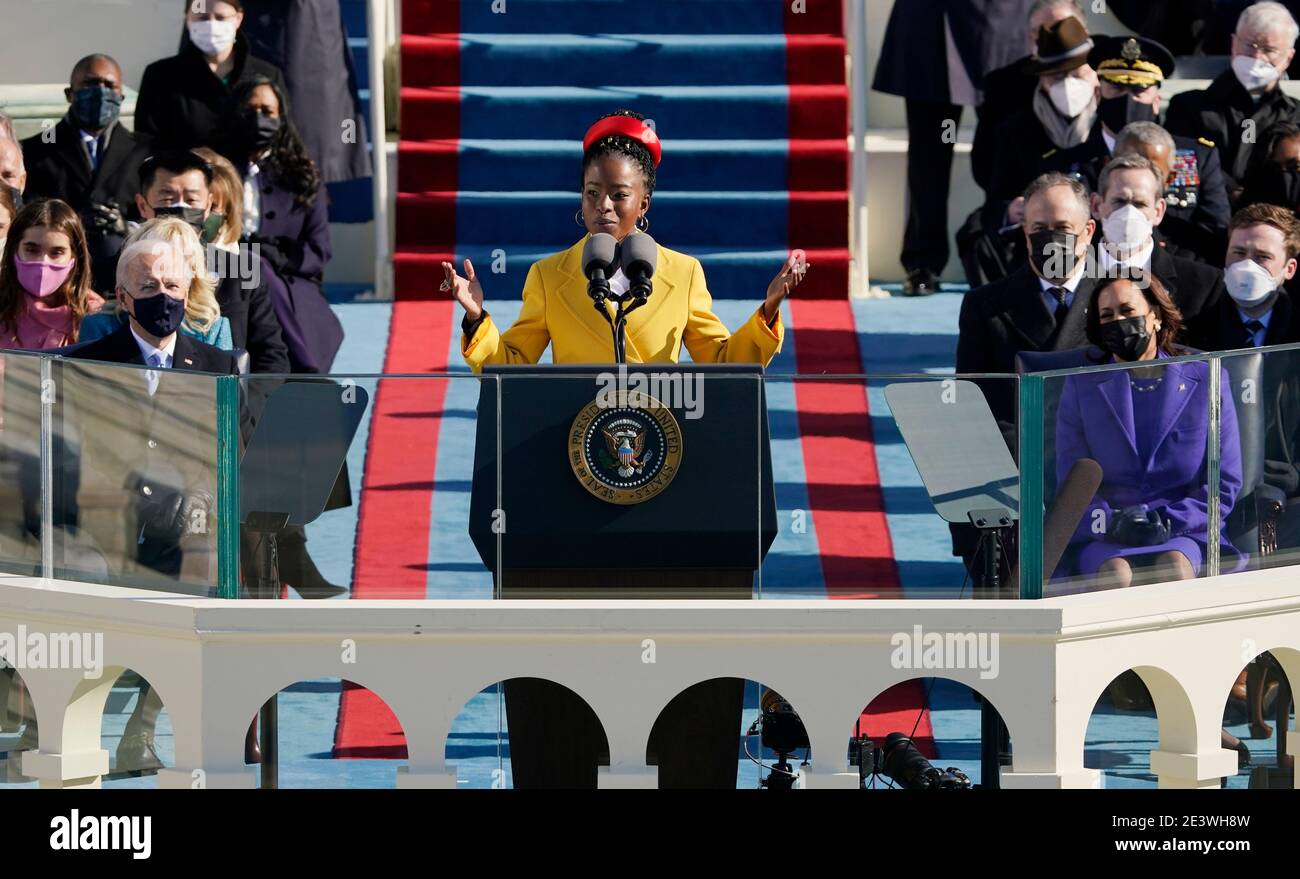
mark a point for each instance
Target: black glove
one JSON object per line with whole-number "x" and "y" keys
{"x": 168, "y": 515}
{"x": 1283, "y": 476}
{"x": 107, "y": 219}
{"x": 272, "y": 249}
{"x": 1138, "y": 526}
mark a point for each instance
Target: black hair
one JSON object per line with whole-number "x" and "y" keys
{"x": 624, "y": 147}
{"x": 173, "y": 162}
{"x": 292, "y": 166}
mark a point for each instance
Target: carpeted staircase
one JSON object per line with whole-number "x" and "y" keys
{"x": 749, "y": 97}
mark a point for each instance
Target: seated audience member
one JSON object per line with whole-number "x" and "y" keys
{"x": 287, "y": 219}
{"x": 1147, "y": 428}
{"x": 1274, "y": 175}
{"x": 1129, "y": 205}
{"x": 1040, "y": 306}
{"x": 203, "y": 319}
{"x": 241, "y": 288}
{"x": 183, "y": 99}
{"x": 1008, "y": 90}
{"x": 13, "y": 171}
{"x": 1263, "y": 246}
{"x": 90, "y": 162}
{"x": 172, "y": 477}
{"x": 180, "y": 183}
{"x": 1195, "y": 225}
{"x": 45, "y": 291}
{"x": 1244, "y": 102}
{"x": 990, "y": 253}
{"x": 1063, "y": 115}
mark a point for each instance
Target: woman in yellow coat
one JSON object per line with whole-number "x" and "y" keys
{"x": 620, "y": 155}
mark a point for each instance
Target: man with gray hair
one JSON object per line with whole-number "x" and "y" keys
{"x": 153, "y": 283}
{"x": 1245, "y": 101}
{"x": 1196, "y": 192}
{"x": 1129, "y": 204}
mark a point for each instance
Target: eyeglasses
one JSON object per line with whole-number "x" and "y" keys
{"x": 1273, "y": 55}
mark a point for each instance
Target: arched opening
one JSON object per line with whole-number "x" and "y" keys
{"x": 136, "y": 731}
{"x": 1141, "y": 710}
{"x": 724, "y": 734}
{"x": 18, "y": 731}
{"x": 922, "y": 733}
{"x": 330, "y": 733}
{"x": 1257, "y": 715}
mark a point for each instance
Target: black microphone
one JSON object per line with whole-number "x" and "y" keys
{"x": 598, "y": 256}
{"x": 639, "y": 257}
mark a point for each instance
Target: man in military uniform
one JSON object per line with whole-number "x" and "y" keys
{"x": 1196, "y": 192}
{"x": 1244, "y": 102}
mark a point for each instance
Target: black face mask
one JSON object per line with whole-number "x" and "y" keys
{"x": 1126, "y": 338}
{"x": 259, "y": 131}
{"x": 160, "y": 314}
{"x": 193, "y": 216}
{"x": 1117, "y": 112}
{"x": 1052, "y": 254}
{"x": 1271, "y": 183}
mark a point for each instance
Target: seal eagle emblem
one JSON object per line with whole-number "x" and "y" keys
{"x": 626, "y": 453}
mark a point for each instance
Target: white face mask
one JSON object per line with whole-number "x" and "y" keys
{"x": 1071, "y": 96}
{"x": 1248, "y": 282}
{"x": 212, "y": 37}
{"x": 1127, "y": 228}
{"x": 1253, "y": 73}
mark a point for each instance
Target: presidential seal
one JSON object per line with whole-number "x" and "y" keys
{"x": 626, "y": 453}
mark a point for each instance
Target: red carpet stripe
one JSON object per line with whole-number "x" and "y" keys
{"x": 396, "y": 502}
{"x": 844, "y": 492}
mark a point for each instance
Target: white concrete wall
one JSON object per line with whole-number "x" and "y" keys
{"x": 215, "y": 662}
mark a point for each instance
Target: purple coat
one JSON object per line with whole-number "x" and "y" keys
{"x": 295, "y": 272}
{"x": 1095, "y": 420}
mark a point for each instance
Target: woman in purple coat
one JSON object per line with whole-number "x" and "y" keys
{"x": 1147, "y": 427}
{"x": 287, "y": 217}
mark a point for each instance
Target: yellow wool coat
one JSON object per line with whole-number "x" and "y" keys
{"x": 558, "y": 311}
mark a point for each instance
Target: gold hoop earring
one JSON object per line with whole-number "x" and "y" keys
{"x": 643, "y": 223}
{"x": 577, "y": 218}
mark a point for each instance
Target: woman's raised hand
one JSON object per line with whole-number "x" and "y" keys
{"x": 467, "y": 291}
{"x": 790, "y": 276}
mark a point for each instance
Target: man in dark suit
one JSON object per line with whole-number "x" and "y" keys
{"x": 1264, "y": 244}
{"x": 148, "y": 470}
{"x": 89, "y": 160}
{"x": 1008, "y": 90}
{"x": 1245, "y": 101}
{"x": 179, "y": 183}
{"x": 1128, "y": 205}
{"x": 935, "y": 55}
{"x": 1039, "y": 307}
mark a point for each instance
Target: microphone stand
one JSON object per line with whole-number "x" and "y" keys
{"x": 638, "y": 295}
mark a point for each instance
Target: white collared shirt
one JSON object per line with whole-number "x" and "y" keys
{"x": 1110, "y": 140}
{"x": 1140, "y": 259}
{"x": 1070, "y": 285}
{"x": 151, "y": 353}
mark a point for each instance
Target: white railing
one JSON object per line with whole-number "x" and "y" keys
{"x": 215, "y": 662}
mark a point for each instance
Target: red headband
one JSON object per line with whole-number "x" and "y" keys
{"x": 635, "y": 129}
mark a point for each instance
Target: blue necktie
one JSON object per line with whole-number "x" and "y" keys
{"x": 1253, "y": 328}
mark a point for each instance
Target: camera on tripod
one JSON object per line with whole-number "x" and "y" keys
{"x": 898, "y": 759}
